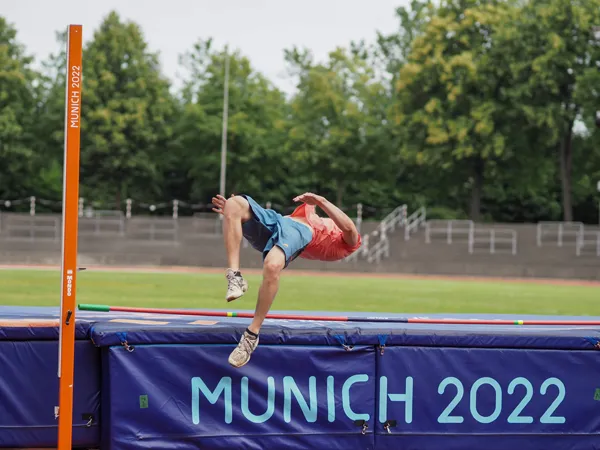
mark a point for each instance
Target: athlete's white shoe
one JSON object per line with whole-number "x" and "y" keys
{"x": 241, "y": 354}
{"x": 236, "y": 285}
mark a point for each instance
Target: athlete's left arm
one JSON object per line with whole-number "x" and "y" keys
{"x": 341, "y": 219}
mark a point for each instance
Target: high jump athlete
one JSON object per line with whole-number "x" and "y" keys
{"x": 280, "y": 239}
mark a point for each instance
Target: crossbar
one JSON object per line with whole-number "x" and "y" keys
{"x": 249, "y": 315}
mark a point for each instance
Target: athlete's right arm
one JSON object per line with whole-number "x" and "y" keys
{"x": 341, "y": 219}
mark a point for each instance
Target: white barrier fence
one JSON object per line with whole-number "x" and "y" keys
{"x": 449, "y": 228}
{"x": 32, "y": 228}
{"x": 569, "y": 233}
{"x": 414, "y": 221}
{"x": 102, "y": 223}
{"x": 589, "y": 244}
{"x": 495, "y": 240}
{"x": 376, "y": 244}
{"x": 560, "y": 232}
{"x": 155, "y": 230}
{"x": 379, "y": 250}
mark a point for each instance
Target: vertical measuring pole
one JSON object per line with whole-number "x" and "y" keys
{"x": 70, "y": 211}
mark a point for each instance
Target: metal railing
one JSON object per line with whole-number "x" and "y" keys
{"x": 583, "y": 242}
{"x": 365, "y": 248}
{"x": 379, "y": 250}
{"x": 106, "y": 223}
{"x": 495, "y": 239}
{"x": 155, "y": 230}
{"x": 362, "y": 252}
{"x": 33, "y": 228}
{"x": 376, "y": 244}
{"x": 396, "y": 218}
{"x": 414, "y": 221}
{"x": 448, "y": 228}
{"x": 562, "y": 230}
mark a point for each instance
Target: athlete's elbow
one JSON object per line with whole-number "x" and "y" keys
{"x": 351, "y": 237}
{"x": 348, "y": 227}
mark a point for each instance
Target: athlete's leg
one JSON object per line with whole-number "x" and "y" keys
{"x": 274, "y": 263}
{"x": 236, "y": 211}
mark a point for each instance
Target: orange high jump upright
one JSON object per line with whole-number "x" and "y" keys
{"x": 70, "y": 213}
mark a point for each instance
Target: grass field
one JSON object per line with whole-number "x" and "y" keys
{"x": 304, "y": 292}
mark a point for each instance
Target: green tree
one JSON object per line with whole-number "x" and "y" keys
{"x": 18, "y": 99}
{"x": 586, "y": 175}
{"x": 452, "y": 114}
{"x": 337, "y": 123}
{"x": 49, "y": 123}
{"x": 556, "y": 75}
{"x": 256, "y": 162}
{"x": 412, "y": 183}
{"x": 127, "y": 115}
{"x": 392, "y": 50}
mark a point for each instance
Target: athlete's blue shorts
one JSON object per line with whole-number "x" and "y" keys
{"x": 267, "y": 229}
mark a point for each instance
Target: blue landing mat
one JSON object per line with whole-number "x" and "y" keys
{"x": 105, "y": 329}
{"x": 308, "y": 385}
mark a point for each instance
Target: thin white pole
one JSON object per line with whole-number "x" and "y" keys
{"x": 598, "y": 184}
{"x": 224, "y": 135}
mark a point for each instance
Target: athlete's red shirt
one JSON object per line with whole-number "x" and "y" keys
{"x": 328, "y": 242}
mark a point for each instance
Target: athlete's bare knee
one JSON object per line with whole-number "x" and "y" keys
{"x": 236, "y": 208}
{"x": 272, "y": 270}
{"x": 273, "y": 265}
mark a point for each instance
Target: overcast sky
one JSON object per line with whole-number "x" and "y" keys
{"x": 260, "y": 29}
